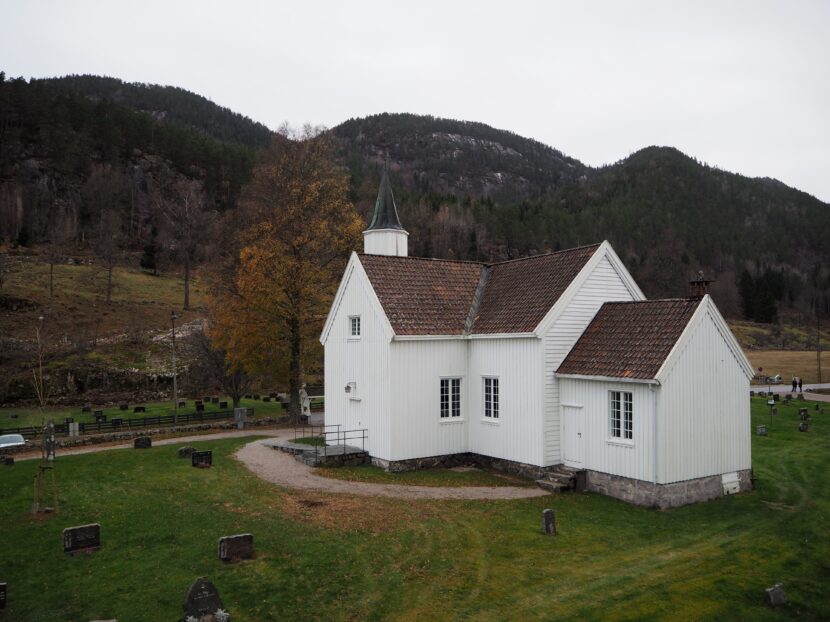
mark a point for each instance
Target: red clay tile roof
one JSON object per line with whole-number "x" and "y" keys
{"x": 423, "y": 296}
{"x": 519, "y": 293}
{"x": 436, "y": 297}
{"x": 629, "y": 339}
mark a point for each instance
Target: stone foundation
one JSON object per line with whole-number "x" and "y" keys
{"x": 663, "y": 496}
{"x": 448, "y": 461}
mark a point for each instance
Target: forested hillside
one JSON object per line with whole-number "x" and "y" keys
{"x": 85, "y": 160}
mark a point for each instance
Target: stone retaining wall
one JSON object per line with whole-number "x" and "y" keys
{"x": 448, "y": 461}
{"x": 663, "y": 496}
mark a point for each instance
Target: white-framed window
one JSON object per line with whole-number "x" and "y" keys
{"x": 354, "y": 327}
{"x": 491, "y": 398}
{"x": 450, "y": 398}
{"x": 621, "y": 423}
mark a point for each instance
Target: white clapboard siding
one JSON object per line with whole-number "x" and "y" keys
{"x": 704, "y": 426}
{"x": 517, "y": 364}
{"x": 600, "y": 452}
{"x": 604, "y": 284}
{"x": 364, "y": 361}
{"x": 414, "y": 414}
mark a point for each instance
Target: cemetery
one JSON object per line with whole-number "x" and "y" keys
{"x": 141, "y": 534}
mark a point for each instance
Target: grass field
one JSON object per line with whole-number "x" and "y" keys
{"x": 340, "y": 557}
{"x": 33, "y": 416}
{"x": 427, "y": 477}
{"x": 789, "y": 363}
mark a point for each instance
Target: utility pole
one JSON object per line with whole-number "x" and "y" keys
{"x": 173, "y": 318}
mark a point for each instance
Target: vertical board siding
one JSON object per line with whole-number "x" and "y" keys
{"x": 517, "y": 364}
{"x": 414, "y": 414}
{"x": 599, "y": 451}
{"x": 602, "y": 285}
{"x": 364, "y": 361}
{"x": 704, "y": 426}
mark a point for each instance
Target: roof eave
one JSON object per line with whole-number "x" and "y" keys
{"x": 653, "y": 381}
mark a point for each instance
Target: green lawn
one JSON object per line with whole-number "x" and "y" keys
{"x": 338, "y": 557}
{"x": 426, "y": 477}
{"x": 32, "y": 416}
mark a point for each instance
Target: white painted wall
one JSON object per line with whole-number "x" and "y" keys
{"x": 704, "y": 426}
{"x": 600, "y": 452}
{"x": 415, "y": 415}
{"x": 364, "y": 361}
{"x": 603, "y": 284}
{"x": 517, "y": 364}
{"x": 386, "y": 242}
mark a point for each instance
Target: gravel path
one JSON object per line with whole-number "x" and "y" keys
{"x": 280, "y": 468}
{"x": 178, "y": 440}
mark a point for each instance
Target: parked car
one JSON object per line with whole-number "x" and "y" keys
{"x": 776, "y": 379}
{"x": 11, "y": 440}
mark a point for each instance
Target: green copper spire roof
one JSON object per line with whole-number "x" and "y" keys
{"x": 386, "y": 214}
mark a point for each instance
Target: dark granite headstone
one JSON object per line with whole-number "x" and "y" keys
{"x": 98, "y": 413}
{"x": 549, "y": 522}
{"x": 214, "y": 400}
{"x": 776, "y": 595}
{"x": 102, "y": 418}
{"x": 143, "y": 442}
{"x": 802, "y": 412}
{"x": 272, "y": 395}
{"x": 8, "y": 460}
{"x": 14, "y": 415}
{"x": 804, "y": 416}
{"x": 266, "y": 398}
{"x": 200, "y": 408}
{"x": 202, "y": 599}
{"x": 240, "y": 546}
{"x": 775, "y": 397}
{"x": 69, "y": 420}
{"x": 206, "y": 400}
{"x": 185, "y": 452}
{"x": 803, "y": 426}
{"x": 223, "y": 405}
{"x": 182, "y": 403}
{"x": 203, "y": 459}
{"x": 761, "y": 430}
{"x": 139, "y": 409}
{"x": 117, "y": 421}
{"x": 123, "y": 406}
{"x": 2, "y": 595}
{"x": 248, "y": 396}
{"x": 83, "y": 538}
{"x": 87, "y": 408}
{"x": 752, "y": 394}
{"x": 256, "y": 396}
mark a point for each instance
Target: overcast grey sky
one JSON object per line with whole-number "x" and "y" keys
{"x": 741, "y": 85}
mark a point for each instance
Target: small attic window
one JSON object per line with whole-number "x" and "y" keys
{"x": 354, "y": 327}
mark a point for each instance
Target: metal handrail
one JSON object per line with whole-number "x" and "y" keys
{"x": 340, "y": 436}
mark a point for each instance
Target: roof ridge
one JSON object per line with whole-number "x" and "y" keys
{"x": 470, "y": 261}
{"x": 630, "y": 302}
{"x": 564, "y": 250}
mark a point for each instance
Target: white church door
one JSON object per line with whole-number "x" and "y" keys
{"x": 572, "y": 420}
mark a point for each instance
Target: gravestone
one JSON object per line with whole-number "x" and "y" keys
{"x": 74, "y": 429}
{"x": 752, "y": 394}
{"x": 803, "y": 426}
{"x": 775, "y": 397}
{"x": 206, "y": 400}
{"x": 82, "y": 539}
{"x": 240, "y": 415}
{"x": 549, "y": 522}
{"x": 14, "y": 415}
{"x": 123, "y": 406}
{"x": 272, "y": 395}
{"x": 182, "y": 403}
{"x": 100, "y": 418}
{"x": 68, "y": 420}
{"x": 8, "y": 460}
{"x": 776, "y": 595}
{"x": 143, "y": 442}
{"x": 761, "y": 430}
{"x": 248, "y": 396}
{"x": 804, "y": 416}
{"x": 2, "y": 595}
{"x": 139, "y": 409}
{"x": 233, "y": 548}
{"x": 200, "y": 408}
{"x": 816, "y": 408}
{"x": 202, "y": 599}
{"x": 267, "y": 398}
{"x": 774, "y": 412}
{"x": 117, "y": 421}
{"x": 185, "y": 452}
{"x": 223, "y": 405}
{"x": 256, "y": 396}
{"x": 98, "y": 413}
{"x": 201, "y": 459}
{"x": 214, "y": 400}
{"x": 87, "y": 408}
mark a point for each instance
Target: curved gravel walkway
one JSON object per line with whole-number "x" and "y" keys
{"x": 280, "y": 468}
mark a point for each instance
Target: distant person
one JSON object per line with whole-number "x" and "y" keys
{"x": 795, "y": 384}
{"x": 799, "y": 386}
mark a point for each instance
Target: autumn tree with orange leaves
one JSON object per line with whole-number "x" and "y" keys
{"x": 296, "y": 230}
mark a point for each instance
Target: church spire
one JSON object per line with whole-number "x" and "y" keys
{"x": 386, "y": 214}
{"x": 385, "y": 234}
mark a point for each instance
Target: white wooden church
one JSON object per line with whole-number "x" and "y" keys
{"x": 532, "y": 365}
